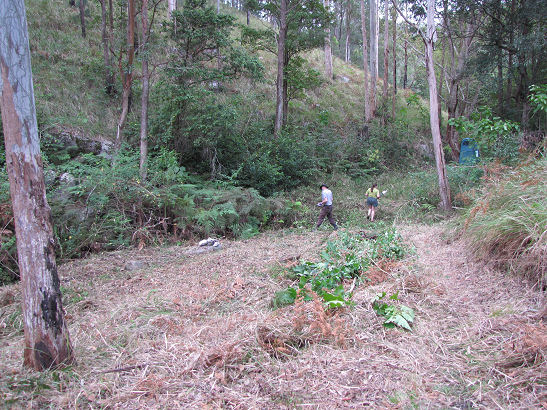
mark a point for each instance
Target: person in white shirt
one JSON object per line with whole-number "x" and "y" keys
{"x": 326, "y": 207}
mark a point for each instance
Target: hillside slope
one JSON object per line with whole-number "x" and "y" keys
{"x": 179, "y": 329}
{"x": 69, "y": 74}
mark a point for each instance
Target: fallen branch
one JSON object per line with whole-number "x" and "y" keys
{"x": 126, "y": 368}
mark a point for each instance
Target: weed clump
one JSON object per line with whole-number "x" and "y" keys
{"x": 508, "y": 222}
{"x": 348, "y": 257}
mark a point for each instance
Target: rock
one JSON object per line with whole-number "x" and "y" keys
{"x": 67, "y": 179}
{"x": 89, "y": 146}
{"x": 343, "y": 79}
{"x": 75, "y": 142}
{"x": 425, "y": 150}
{"x": 135, "y": 265}
{"x": 49, "y": 176}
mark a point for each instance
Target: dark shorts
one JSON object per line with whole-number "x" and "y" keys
{"x": 371, "y": 201}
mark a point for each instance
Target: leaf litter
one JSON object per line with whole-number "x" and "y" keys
{"x": 197, "y": 331}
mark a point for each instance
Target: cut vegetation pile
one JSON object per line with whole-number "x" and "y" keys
{"x": 165, "y": 328}
{"x": 508, "y": 223}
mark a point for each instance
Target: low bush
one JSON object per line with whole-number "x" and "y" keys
{"x": 349, "y": 256}
{"x": 508, "y": 221}
{"x": 97, "y": 206}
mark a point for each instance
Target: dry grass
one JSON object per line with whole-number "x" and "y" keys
{"x": 196, "y": 331}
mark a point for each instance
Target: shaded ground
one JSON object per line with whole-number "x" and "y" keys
{"x": 197, "y": 331}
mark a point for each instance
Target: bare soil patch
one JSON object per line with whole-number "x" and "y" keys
{"x": 197, "y": 331}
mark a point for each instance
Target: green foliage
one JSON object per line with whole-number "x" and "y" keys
{"x": 96, "y": 206}
{"x": 202, "y": 35}
{"x": 538, "y": 97}
{"x": 495, "y": 136}
{"x": 347, "y": 257}
{"x": 420, "y": 189}
{"x": 300, "y": 76}
{"x": 395, "y": 315}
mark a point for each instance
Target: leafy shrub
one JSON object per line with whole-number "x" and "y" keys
{"x": 97, "y": 206}
{"x": 347, "y": 257}
{"x": 395, "y": 315}
{"x": 496, "y": 137}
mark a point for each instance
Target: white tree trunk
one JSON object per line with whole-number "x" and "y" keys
{"x": 386, "y": 46}
{"x": 373, "y": 53}
{"x": 444, "y": 189}
{"x": 46, "y": 334}
{"x": 172, "y": 6}
{"x": 365, "y": 61}
{"x": 394, "y": 69}
{"x": 145, "y": 92}
{"x": 328, "y": 49}
{"x": 347, "y": 56}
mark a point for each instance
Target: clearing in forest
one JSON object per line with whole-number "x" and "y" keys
{"x": 165, "y": 328}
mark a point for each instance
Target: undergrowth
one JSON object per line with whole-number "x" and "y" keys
{"x": 96, "y": 207}
{"x": 346, "y": 257}
{"x": 508, "y": 220}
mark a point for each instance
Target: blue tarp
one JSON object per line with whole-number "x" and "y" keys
{"x": 469, "y": 152}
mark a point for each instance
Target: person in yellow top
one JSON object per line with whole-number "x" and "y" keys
{"x": 372, "y": 194}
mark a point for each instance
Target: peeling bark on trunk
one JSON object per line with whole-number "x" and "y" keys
{"x": 328, "y": 49}
{"x": 145, "y": 92}
{"x": 280, "y": 67}
{"x": 444, "y": 189}
{"x": 46, "y": 335}
{"x": 365, "y": 61}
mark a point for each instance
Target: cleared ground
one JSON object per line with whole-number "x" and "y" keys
{"x": 190, "y": 330}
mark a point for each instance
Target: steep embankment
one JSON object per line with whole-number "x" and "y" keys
{"x": 172, "y": 328}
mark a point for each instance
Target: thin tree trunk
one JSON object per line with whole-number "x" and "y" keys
{"x": 109, "y": 80}
{"x": 510, "y": 58}
{"x": 365, "y": 61}
{"x": 110, "y": 24}
{"x": 347, "y": 55}
{"x": 82, "y": 17}
{"x": 386, "y": 46}
{"x": 373, "y": 53}
{"x": 280, "y": 67}
{"x": 285, "y": 90}
{"x": 394, "y": 19}
{"x": 441, "y": 81}
{"x": 145, "y": 91}
{"x": 127, "y": 77}
{"x": 340, "y": 24}
{"x": 172, "y": 6}
{"x": 499, "y": 64}
{"x": 451, "y": 108}
{"x": 405, "y": 66}
{"x": 47, "y": 342}
{"x": 444, "y": 189}
{"x": 328, "y": 49}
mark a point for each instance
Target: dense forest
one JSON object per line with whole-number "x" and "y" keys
{"x": 151, "y": 125}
